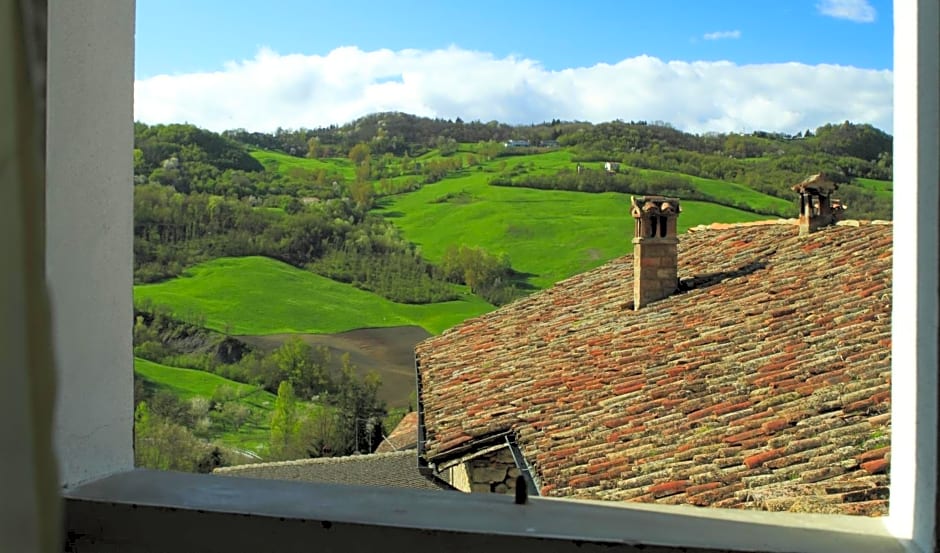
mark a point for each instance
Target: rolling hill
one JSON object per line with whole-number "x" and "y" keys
{"x": 258, "y": 295}
{"x": 282, "y": 163}
{"x": 547, "y": 234}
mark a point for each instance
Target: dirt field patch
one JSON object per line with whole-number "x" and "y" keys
{"x": 387, "y": 351}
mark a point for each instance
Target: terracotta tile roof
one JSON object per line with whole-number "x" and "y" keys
{"x": 765, "y": 384}
{"x": 405, "y": 435}
{"x": 397, "y": 470}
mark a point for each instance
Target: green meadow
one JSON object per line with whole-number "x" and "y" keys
{"x": 733, "y": 193}
{"x": 723, "y": 191}
{"x": 283, "y": 163}
{"x": 547, "y": 162}
{"x": 883, "y": 189}
{"x": 186, "y": 384}
{"x": 190, "y": 383}
{"x": 547, "y": 234}
{"x": 258, "y": 295}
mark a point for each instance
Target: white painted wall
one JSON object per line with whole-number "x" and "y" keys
{"x": 914, "y": 317}
{"x": 89, "y": 201}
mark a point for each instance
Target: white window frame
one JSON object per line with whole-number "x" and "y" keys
{"x": 89, "y": 259}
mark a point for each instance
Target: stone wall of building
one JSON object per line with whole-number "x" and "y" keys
{"x": 492, "y": 472}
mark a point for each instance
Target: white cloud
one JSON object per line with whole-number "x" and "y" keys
{"x": 295, "y": 90}
{"x": 718, "y": 35}
{"x": 859, "y": 11}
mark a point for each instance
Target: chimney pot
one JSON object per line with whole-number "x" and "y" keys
{"x": 655, "y": 242}
{"x": 817, "y": 206}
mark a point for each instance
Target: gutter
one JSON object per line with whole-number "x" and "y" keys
{"x": 531, "y": 479}
{"x": 422, "y": 437}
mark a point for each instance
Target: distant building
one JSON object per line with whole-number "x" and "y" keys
{"x": 517, "y": 144}
{"x": 611, "y": 166}
{"x": 549, "y": 144}
{"x": 403, "y": 437}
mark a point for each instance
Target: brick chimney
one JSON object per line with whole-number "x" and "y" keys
{"x": 655, "y": 261}
{"x": 817, "y": 206}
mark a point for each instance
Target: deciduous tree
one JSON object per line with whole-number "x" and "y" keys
{"x": 303, "y": 368}
{"x": 313, "y": 148}
{"x": 285, "y": 423}
{"x": 359, "y": 153}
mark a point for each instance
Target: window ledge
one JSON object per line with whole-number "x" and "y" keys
{"x": 152, "y": 510}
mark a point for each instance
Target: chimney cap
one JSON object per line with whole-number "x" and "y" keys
{"x": 819, "y": 183}
{"x": 654, "y": 205}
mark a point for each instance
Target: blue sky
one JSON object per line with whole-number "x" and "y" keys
{"x": 523, "y": 59}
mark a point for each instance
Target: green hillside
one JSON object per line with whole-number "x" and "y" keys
{"x": 186, "y": 384}
{"x": 282, "y": 163}
{"x": 548, "y": 234}
{"x": 258, "y": 295}
{"x": 881, "y": 188}
{"x": 190, "y": 383}
{"x": 734, "y": 193}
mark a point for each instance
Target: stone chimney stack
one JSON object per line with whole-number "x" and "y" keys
{"x": 655, "y": 259}
{"x": 817, "y": 206}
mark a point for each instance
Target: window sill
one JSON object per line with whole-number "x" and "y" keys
{"x": 146, "y": 510}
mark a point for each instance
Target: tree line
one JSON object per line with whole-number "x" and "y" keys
{"x": 768, "y": 162}
{"x": 627, "y": 181}
{"x": 395, "y": 133}
{"x": 402, "y": 135}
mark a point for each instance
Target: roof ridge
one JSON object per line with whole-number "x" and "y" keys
{"x": 315, "y": 461}
{"x": 726, "y": 226}
{"x": 768, "y": 222}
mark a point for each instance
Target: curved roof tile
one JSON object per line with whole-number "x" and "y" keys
{"x": 765, "y": 384}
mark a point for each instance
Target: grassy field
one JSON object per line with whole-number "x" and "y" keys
{"x": 726, "y": 192}
{"x": 187, "y": 384}
{"x": 882, "y": 188}
{"x": 546, "y": 162}
{"x": 548, "y": 234}
{"x": 282, "y": 163}
{"x": 257, "y": 295}
{"x": 733, "y": 193}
